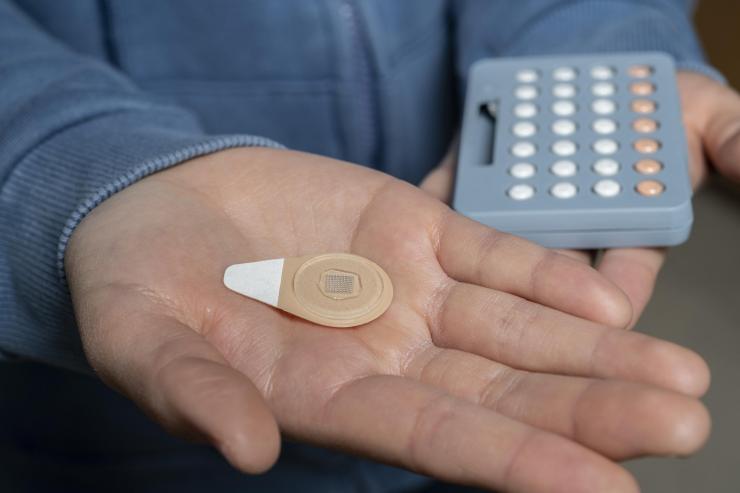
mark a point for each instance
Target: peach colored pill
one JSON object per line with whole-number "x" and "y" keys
{"x": 642, "y": 88}
{"x": 645, "y": 125}
{"x": 648, "y": 166}
{"x": 650, "y": 188}
{"x": 647, "y": 146}
{"x": 643, "y": 106}
{"x": 640, "y": 71}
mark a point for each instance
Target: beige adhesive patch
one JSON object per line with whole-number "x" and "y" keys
{"x": 335, "y": 289}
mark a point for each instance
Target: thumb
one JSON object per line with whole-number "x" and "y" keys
{"x": 439, "y": 181}
{"x": 722, "y": 138}
{"x": 716, "y": 116}
{"x": 183, "y": 383}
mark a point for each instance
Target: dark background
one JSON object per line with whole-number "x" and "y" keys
{"x": 697, "y": 301}
{"x": 718, "y": 22}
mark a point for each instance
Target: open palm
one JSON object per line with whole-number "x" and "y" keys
{"x": 498, "y": 363}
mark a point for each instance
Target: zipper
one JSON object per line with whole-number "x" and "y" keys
{"x": 106, "y": 22}
{"x": 368, "y": 116}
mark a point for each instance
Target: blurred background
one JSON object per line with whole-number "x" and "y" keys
{"x": 697, "y": 300}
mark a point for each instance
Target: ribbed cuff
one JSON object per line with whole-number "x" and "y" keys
{"x": 190, "y": 148}
{"x": 47, "y": 195}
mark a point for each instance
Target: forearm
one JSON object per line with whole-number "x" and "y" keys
{"x": 74, "y": 132}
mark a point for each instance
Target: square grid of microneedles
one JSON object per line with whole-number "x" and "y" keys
{"x": 339, "y": 283}
{"x": 552, "y": 106}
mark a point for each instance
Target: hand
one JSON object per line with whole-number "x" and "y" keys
{"x": 712, "y": 120}
{"x": 495, "y": 364}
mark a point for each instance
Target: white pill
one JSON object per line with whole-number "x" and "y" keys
{"x": 604, "y": 106}
{"x": 527, "y": 76}
{"x": 521, "y": 192}
{"x": 525, "y": 110}
{"x": 564, "y": 90}
{"x": 564, "y": 74}
{"x": 564, "y": 190}
{"x": 524, "y": 129}
{"x": 604, "y": 126}
{"x": 526, "y": 92}
{"x": 605, "y": 146}
{"x": 603, "y": 89}
{"x": 564, "y": 127}
{"x": 607, "y": 188}
{"x": 523, "y": 149}
{"x": 606, "y": 167}
{"x": 564, "y": 108}
{"x": 522, "y": 170}
{"x": 602, "y": 72}
{"x": 564, "y": 148}
{"x": 564, "y": 168}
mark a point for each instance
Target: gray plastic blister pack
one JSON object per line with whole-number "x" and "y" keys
{"x": 576, "y": 151}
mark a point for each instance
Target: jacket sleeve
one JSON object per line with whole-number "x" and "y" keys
{"x": 73, "y": 132}
{"x": 492, "y": 28}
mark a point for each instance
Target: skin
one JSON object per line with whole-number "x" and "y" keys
{"x": 499, "y": 363}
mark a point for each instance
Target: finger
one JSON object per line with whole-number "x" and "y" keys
{"x": 619, "y": 419}
{"x": 438, "y": 183}
{"x": 476, "y": 254}
{"x": 529, "y": 336}
{"x": 697, "y": 165}
{"x": 178, "y": 378}
{"x": 585, "y": 256}
{"x": 712, "y": 111}
{"x": 419, "y": 427}
{"x": 723, "y": 145}
{"x": 722, "y": 139}
{"x": 635, "y": 271}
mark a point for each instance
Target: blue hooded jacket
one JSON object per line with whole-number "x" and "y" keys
{"x": 97, "y": 94}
